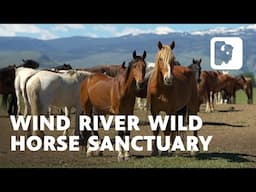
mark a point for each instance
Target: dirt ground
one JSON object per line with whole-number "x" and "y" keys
{"x": 233, "y": 128}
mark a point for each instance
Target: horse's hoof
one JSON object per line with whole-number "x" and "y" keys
{"x": 126, "y": 156}
{"x": 154, "y": 153}
{"x": 193, "y": 153}
{"x": 89, "y": 154}
{"x": 120, "y": 157}
{"x": 164, "y": 153}
{"x": 100, "y": 153}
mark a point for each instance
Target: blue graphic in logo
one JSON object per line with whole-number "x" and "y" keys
{"x": 226, "y": 53}
{"x": 223, "y": 52}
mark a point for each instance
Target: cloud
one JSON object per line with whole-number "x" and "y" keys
{"x": 251, "y": 26}
{"x": 46, "y": 35}
{"x": 107, "y": 28}
{"x": 220, "y": 30}
{"x": 159, "y": 30}
{"x": 163, "y": 30}
{"x": 14, "y": 29}
{"x": 67, "y": 27}
{"x": 131, "y": 31}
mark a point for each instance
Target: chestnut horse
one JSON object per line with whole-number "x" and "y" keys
{"x": 170, "y": 88}
{"x": 214, "y": 81}
{"x": 110, "y": 70}
{"x": 244, "y": 83}
{"x": 114, "y": 95}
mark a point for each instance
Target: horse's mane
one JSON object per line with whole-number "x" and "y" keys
{"x": 165, "y": 48}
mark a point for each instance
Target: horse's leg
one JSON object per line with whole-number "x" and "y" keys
{"x": 18, "y": 93}
{"x": 10, "y": 101}
{"x": 43, "y": 111}
{"x": 207, "y": 98}
{"x": 192, "y": 111}
{"x": 127, "y": 133}
{"x": 95, "y": 133}
{"x": 15, "y": 106}
{"x": 167, "y": 134}
{"x": 155, "y": 133}
{"x": 184, "y": 113}
{"x": 212, "y": 102}
{"x": 67, "y": 114}
{"x": 120, "y": 155}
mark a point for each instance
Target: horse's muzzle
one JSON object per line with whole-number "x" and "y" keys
{"x": 168, "y": 81}
{"x": 139, "y": 85}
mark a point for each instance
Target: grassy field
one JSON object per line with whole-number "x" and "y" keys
{"x": 241, "y": 97}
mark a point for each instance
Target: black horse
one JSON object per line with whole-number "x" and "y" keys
{"x": 7, "y": 77}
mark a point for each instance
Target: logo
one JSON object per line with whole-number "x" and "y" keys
{"x": 226, "y": 53}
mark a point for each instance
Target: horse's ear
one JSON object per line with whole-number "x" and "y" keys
{"x": 144, "y": 55}
{"x": 134, "y": 54}
{"x": 172, "y": 45}
{"x": 200, "y": 60}
{"x": 193, "y": 61}
{"x": 123, "y": 64}
{"x": 242, "y": 77}
{"x": 159, "y": 45}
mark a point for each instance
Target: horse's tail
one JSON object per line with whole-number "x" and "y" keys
{"x": 34, "y": 97}
{"x": 4, "y": 101}
{"x": 31, "y": 96}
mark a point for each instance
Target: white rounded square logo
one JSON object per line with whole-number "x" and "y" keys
{"x": 226, "y": 53}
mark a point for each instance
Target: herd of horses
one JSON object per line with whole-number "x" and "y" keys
{"x": 112, "y": 89}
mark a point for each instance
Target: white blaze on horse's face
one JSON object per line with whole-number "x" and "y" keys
{"x": 166, "y": 60}
{"x": 139, "y": 69}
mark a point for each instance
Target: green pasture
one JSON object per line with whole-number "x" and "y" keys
{"x": 241, "y": 97}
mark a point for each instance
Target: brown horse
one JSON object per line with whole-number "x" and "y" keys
{"x": 170, "y": 88}
{"x": 244, "y": 83}
{"x": 114, "y": 95}
{"x": 215, "y": 81}
{"x": 110, "y": 70}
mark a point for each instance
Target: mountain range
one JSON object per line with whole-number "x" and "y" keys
{"x": 87, "y": 51}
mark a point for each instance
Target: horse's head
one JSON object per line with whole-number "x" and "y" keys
{"x": 137, "y": 68}
{"x": 30, "y": 63}
{"x": 247, "y": 87}
{"x": 7, "y": 76}
{"x": 66, "y": 66}
{"x": 165, "y": 62}
{"x": 196, "y": 68}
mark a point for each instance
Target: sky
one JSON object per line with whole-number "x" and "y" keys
{"x": 53, "y": 31}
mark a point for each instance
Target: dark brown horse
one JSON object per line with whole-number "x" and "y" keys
{"x": 7, "y": 77}
{"x": 114, "y": 95}
{"x": 170, "y": 89}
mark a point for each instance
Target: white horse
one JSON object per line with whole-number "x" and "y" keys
{"x": 22, "y": 74}
{"x": 47, "y": 88}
